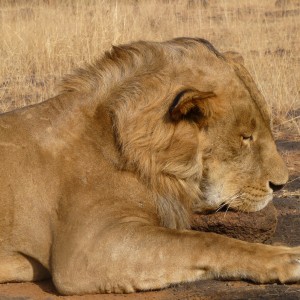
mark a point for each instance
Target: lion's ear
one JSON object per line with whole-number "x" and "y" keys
{"x": 190, "y": 104}
{"x": 234, "y": 56}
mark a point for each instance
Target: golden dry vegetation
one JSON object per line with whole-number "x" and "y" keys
{"x": 41, "y": 40}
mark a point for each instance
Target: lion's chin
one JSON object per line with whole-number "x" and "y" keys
{"x": 243, "y": 205}
{"x": 253, "y": 206}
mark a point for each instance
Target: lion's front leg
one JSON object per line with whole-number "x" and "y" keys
{"x": 134, "y": 257}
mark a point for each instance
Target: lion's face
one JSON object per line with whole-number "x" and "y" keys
{"x": 242, "y": 167}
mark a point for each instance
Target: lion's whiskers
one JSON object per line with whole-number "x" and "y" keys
{"x": 229, "y": 201}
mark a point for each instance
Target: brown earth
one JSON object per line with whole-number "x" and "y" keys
{"x": 287, "y": 232}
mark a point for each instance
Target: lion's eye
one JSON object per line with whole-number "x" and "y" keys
{"x": 247, "y": 138}
{"x": 250, "y": 137}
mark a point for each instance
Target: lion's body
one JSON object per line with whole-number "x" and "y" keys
{"x": 98, "y": 184}
{"x": 34, "y": 195}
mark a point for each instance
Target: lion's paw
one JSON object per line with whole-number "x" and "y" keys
{"x": 280, "y": 264}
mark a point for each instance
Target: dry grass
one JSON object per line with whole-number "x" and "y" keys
{"x": 42, "y": 40}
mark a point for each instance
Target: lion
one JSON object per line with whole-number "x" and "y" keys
{"x": 98, "y": 184}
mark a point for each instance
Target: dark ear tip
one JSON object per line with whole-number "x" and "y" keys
{"x": 176, "y": 100}
{"x": 186, "y": 104}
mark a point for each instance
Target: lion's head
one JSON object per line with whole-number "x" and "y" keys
{"x": 190, "y": 123}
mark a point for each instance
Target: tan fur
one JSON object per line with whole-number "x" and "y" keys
{"x": 98, "y": 184}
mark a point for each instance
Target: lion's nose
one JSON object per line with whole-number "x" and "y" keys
{"x": 276, "y": 187}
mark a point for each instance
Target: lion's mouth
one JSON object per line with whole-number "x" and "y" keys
{"x": 242, "y": 201}
{"x": 250, "y": 204}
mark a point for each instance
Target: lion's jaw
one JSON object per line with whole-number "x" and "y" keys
{"x": 224, "y": 194}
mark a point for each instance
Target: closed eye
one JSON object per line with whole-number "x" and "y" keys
{"x": 247, "y": 138}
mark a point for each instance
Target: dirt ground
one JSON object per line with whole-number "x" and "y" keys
{"x": 287, "y": 203}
